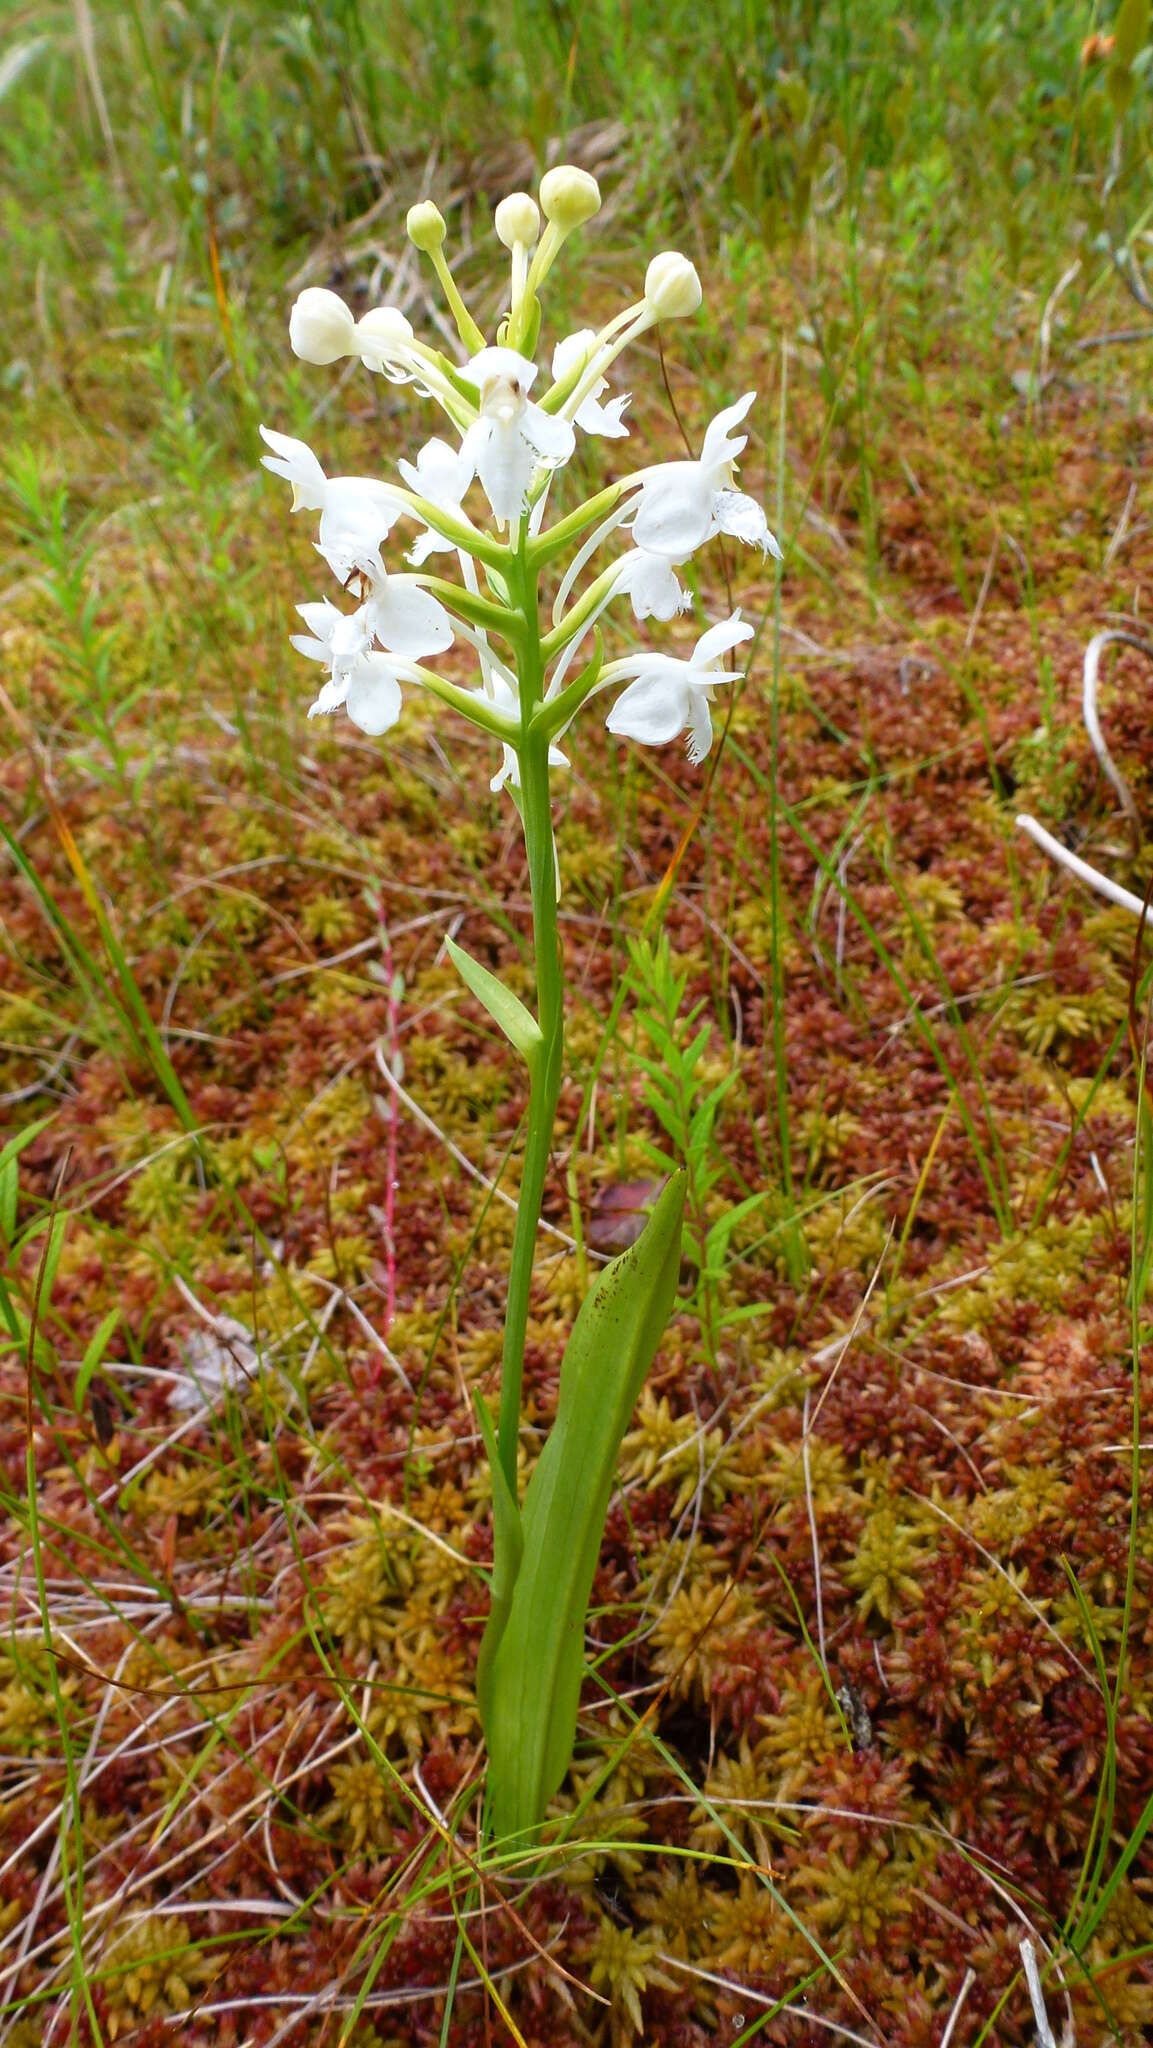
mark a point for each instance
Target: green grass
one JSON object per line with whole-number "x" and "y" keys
{"x": 889, "y": 1465}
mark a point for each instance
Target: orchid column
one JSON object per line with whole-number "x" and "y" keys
{"x": 521, "y": 598}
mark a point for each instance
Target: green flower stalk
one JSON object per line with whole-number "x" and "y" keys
{"x": 479, "y": 500}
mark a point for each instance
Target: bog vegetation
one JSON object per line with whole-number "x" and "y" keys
{"x": 865, "y": 1744}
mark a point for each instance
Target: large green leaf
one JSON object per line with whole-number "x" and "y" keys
{"x": 533, "y": 1678}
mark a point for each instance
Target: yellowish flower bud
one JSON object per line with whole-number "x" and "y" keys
{"x": 569, "y": 196}
{"x": 425, "y": 224}
{"x": 517, "y": 219}
{"x": 321, "y": 328}
{"x": 672, "y": 287}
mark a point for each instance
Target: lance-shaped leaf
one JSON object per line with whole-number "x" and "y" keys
{"x": 506, "y": 1009}
{"x": 507, "y": 1550}
{"x": 533, "y": 1679}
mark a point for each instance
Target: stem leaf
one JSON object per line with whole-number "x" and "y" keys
{"x": 533, "y": 1678}
{"x": 519, "y": 1026}
{"x": 508, "y": 1549}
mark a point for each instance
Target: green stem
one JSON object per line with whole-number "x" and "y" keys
{"x": 545, "y": 1068}
{"x": 466, "y": 326}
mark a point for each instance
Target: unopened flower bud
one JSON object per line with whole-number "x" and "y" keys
{"x": 569, "y": 196}
{"x": 425, "y": 224}
{"x": 672, "y": 287}
{"x": 380, "y": 331}
{"x": 321, "y": 328}
{"x": 517, "y": 219}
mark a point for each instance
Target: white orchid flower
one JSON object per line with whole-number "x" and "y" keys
{"x": 512, "y": 436}
{"x": 591, "y": 415}
{"x": 668, "y": 695}
{"x": 363, "y": 680}
{"x": 320, "y": 327}
{"x": 442, "y": 475}
{"x": 345, "y": 503}
{"x": 651, "y": 582}
{"x": 356, "y": 515}
{"x": 684, "y": 503}
{"x": 405, "y": 620}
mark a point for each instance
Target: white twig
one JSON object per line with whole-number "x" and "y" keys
{"x": 1045, "y": 2035}
{"x": 983, "y": 593}
{"x": 1046, "y": 333}
{"x": 1093, "y": 653}
{"x": 1124, "y": 898}
{"x": 967, "y": 1983}
{"x": 761, "y": 1998}
{"x": 1121, "y": 531}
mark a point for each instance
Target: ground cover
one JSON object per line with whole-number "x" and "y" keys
{"x": 869, "y": 1693}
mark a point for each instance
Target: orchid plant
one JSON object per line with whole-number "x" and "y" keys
{"x": 524, "y": 600}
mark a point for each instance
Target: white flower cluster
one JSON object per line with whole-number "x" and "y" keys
{"x": 506, "y": 448}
